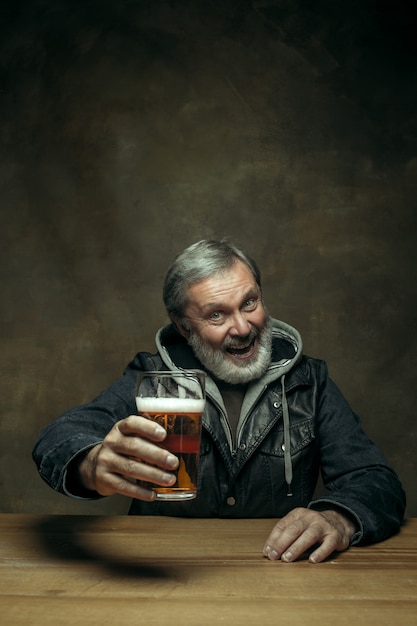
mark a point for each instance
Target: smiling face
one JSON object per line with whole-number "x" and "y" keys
{"x": 227, "y": 326}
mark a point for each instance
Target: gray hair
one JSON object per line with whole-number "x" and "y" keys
{"x": 199, "y": 261}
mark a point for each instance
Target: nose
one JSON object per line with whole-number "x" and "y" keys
{"x": 240, "y": 326}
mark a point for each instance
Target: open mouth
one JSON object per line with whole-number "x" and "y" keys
{"x": 242, "y": 352}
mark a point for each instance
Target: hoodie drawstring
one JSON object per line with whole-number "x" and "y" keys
{"x": 287, "y": 441}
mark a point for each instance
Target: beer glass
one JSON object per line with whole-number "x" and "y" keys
{"x": 176, "y": 401}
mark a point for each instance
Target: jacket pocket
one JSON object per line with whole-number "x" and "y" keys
{"x": 301, "y": 435}
{"x": 305, "y": 466}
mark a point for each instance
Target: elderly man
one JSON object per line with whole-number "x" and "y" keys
{"x": 273, "y": 420}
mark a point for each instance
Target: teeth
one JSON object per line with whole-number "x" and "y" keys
{"x": 240, "y": 350}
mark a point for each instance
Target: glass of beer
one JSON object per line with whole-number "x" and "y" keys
{"x": 176, "y": 401}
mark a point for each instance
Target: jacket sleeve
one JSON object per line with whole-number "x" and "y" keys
{"x": 60, "y": 443}
{"x": 355, "y": 472}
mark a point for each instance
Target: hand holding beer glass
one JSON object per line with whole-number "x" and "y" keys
{"x": 175, "y": 400}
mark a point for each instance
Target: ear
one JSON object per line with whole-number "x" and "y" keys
{"x": 179, "y": 325}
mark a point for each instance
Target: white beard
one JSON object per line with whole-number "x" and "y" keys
{"x": 218, "y": 363}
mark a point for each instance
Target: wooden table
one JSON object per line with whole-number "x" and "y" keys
{"x": 150, "y": 570}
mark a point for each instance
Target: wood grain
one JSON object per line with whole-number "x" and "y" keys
{"x": 150, "y": 570}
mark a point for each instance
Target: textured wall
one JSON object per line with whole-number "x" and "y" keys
{"x": 131, "y": 129}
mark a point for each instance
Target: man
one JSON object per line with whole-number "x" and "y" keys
{"x": 273, "y": 420}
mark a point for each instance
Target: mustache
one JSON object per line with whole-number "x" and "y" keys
{"x": 238, "y": 342}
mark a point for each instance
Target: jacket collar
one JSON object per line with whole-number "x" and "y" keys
{"x": 286, "y": 353}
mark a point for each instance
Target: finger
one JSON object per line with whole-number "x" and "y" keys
{"x": 288, "y": 549}
{"x": 284, "y": 533}
{"x": 323, "y": 552}
{"x": 118, "y": 474}
{"x": 125, "y": 487}
{"x": 142, "y": 450}
{"x": 310, "y": 537}
{"x": 139, "y": 448}
{"x": 137, "y": 459}
{"x": 139, "y": 425}
{"x": 305, "y": 531}
{"x": 138, "y": 470}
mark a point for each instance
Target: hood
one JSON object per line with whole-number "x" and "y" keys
{"x": 286, "y": 352}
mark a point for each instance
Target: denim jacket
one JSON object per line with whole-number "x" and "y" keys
{"x": 294, "y": 424}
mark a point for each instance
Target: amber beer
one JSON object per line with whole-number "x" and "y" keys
{"x": 181, "y": 418}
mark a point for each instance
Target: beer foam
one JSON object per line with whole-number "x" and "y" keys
{"x": 169, "y": 405}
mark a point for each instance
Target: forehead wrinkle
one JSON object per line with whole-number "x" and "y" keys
{"x": 227, "y": 303}
{"x": 223, "y": 302}
{"x": 223, "y": 290}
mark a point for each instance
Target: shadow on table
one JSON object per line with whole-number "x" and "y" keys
{"x": 62, "y": 538}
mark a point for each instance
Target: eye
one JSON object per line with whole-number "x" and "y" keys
{"x": 250, "y": 304}
{"x": 217, "y": 318}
